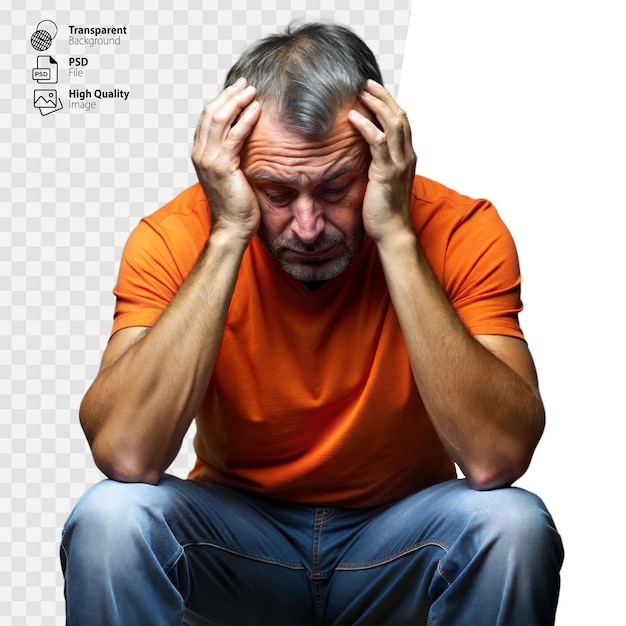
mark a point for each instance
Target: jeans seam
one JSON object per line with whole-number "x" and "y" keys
{"x": 167, "y": 565}
{"x": 65, "y": 577}
{"x": 322, "y": 515}
{"x": 170, "y": 563}
{"x": 392, "y": 557}
{"x": 245, "y": 555}
{"x": 443, "y": 575}
{"x": 448, "y": 580}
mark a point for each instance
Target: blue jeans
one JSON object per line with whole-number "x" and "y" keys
{"x": 136, "y": 554}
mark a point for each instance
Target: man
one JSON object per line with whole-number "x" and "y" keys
{"x": 343, "y": 332}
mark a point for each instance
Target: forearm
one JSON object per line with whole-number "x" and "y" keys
{"x": 487, "y": 416}
{"x": 140, "y": 406}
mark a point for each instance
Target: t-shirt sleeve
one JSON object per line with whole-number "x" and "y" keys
{"x": 481, "y": 272}
{"x": 158, "y": 256}
{"x": 148, "y": 279}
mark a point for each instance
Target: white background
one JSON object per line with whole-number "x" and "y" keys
{"x": 523, "y": 103}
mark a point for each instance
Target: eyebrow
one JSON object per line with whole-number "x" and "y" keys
{"x": 265, "y": 176}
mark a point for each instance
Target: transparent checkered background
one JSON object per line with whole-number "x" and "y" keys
{"x": 73, "y": 184}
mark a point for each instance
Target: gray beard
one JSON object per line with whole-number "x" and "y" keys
{"x": 312, "y": 269}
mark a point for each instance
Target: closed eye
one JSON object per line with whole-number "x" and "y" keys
{"x": 279, "y": 198}
{"x": 333, "y": 193}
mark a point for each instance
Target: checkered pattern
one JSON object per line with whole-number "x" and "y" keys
{"x": 74, "y": 184}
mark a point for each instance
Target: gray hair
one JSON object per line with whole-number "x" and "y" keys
{"x": 308, "y": 72}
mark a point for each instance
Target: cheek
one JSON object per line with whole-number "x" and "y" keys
{"x": 274, "y": 222}
{"x": 348, "y": 215}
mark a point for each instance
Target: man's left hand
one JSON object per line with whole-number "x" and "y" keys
{"x": 392, "y": 169}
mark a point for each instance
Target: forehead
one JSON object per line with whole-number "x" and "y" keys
{"x": 274, "y": 149}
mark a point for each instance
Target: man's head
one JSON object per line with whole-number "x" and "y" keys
{"x": 305, "y": 161}
{"x": 308, "y": 73}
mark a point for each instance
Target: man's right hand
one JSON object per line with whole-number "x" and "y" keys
{"x": 224, "y": 125}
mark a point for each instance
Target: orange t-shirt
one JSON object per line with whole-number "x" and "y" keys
{"x": 312, "y": 398}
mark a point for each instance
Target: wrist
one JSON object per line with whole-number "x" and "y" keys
{"x": 397, "y": 243}
{"x": 233, "y": 232}
{"x": 229, "y": 238}
{"x": 403, "y": 259}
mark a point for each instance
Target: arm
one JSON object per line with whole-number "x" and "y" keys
{"x": 481, "y": 393}
{"x": 151, "y": 382}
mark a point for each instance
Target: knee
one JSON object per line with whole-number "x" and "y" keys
{"x": 516, "y": 523}
{"x": 517, "y": 512}
{"x": 109, "y": 513}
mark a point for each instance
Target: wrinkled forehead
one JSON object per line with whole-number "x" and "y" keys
{"x": 274, "y": 140}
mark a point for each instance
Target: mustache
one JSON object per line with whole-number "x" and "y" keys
{"x": 296, "y": 244}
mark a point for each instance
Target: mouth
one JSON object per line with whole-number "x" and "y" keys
{"x": 317, "y": 255}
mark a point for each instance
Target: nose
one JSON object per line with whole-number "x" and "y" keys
{"x": 308, "y": 220}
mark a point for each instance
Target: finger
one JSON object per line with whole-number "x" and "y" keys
{"x": 224, "y": 157}
{"x": 378, "y": 90}
{"x": 372, "y": 133}
{"x": 392, "y": 118}
{"x": 205, "y": 116}
{"x": 226, "y": 106}
{"x": 239, "y": 132}
{"x": 226, "y": 115}
{"x": 376, "y": 139}
{"x": 215, "y": 129}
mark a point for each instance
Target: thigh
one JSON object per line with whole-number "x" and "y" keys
{"x": 192, "y": 513}
{"x": 233, "y": 557}
{"x": 246, "y": 556}
{"x": 411, "y": 554}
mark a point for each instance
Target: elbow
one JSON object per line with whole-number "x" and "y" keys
{"x": 112, "y": 452}
{"x": 486, "y": 480}
{"x": 498, "y": 472}
{"x": 120, "y": 461}
{"x": 126, "y": 474}
{"x": 124, "y": 467}
{"x": 508, "y": 461}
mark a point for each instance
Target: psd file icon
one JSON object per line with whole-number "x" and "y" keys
{"x": 47, "y": 101}
{"x": 47, "y": 70}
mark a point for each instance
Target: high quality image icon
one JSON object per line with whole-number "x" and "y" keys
{"x": 47, "y": 101}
